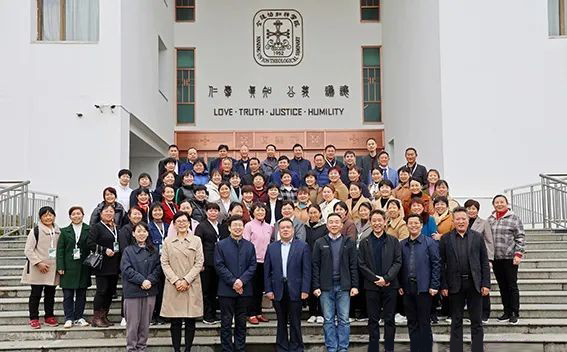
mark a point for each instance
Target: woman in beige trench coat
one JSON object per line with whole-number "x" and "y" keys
{"x": 182, "y": 260}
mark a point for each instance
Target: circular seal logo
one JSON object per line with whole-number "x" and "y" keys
{"x": 278, "y": 37}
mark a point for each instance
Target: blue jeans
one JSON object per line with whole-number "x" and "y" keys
{"x": 336, "y": 302}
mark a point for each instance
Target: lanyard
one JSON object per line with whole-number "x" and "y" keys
{"x": 113, "y": 232}
{"x": 160, "y": 230}
{"x": 173, "y": 211}
{"x": 51, "y": 234}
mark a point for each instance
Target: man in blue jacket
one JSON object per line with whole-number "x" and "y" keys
{"x": 419, "y": 282}
{"x": 299, "y": 164}
{"x": 283, "y": 164}
{"x": 235, "y": 262}
{"x": 287, "y": 279}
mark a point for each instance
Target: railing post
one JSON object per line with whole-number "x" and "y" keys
{"x": 544, "y": 202}
{"x": 532, "y": 206}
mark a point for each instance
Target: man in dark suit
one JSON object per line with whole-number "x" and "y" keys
{"x": 173, "y": 152}
{"x": 380, "y": 260}
{"x": 223, "y": 153}
{"x": 208, "y": 231}
{"x": 369, "y": 161}
{"x": 465, "y": 277}
{"x": 335, "y": 281}
{"x": 419, "y": 281}
{"x": 242, "y": 166}
{"x": 287, "y": 280}
{"x": 235, "y": 262}
{"x": 418, "y": 172}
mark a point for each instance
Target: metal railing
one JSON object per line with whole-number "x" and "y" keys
{"x": 19, "y": 206}
{"x": 542, "y": 204}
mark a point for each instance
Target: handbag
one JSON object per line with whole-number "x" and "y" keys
{"x": 94, "y": 259}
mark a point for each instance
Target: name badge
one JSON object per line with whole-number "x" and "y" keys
{"x": 116, "y": 247}
{"x": 52, "y": 253}
{"x": 76, "y": 253}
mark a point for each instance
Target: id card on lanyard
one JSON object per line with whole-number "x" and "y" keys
{"x": 116, "y": 246}
{"x": 162, "y": 234}
{"x": 52, "y": 252}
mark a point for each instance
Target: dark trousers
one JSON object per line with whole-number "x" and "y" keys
{"x": 358, "y": 302}
{"x": 233, "y": 307}
{"x": 209, "y": 280}
{"x": 258, "y": 291}
{"x": 486, "y": 307}
{"x": 314, "y": 306}
{"x": 506, "y": 274}
{"x": 159, "y": 297}
{"x": 105, "y": 289}
{"x": 48, "y": 300}
{"x": 175, "y": 329}
{"x": 74, "y": 303}
{"x": 418, "y": 310}
{"x": 288, "y": 311}
{"x": 473, "y": 298}
{"x": 384, "y": 301}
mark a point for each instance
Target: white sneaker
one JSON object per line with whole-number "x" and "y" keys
{"x": 350, "y": 320}
{"x": 82, "y": 322}
{"x": 123, "y": 322}
{"x": 448, "y": 319}
{"x": 312, "y": 319}
{"x": 68, "y": 324}
{"x": 400, "y": 319}
{"x": 381, "y": 322}
{"x": 320, "y": 320}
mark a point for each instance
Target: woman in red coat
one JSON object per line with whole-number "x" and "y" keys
{"x": 168, "y": 204}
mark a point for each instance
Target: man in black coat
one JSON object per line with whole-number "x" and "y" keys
{"x": 380, "y": 260}
{"x": 208, "y": 231}
{"x": 418, "y": 172}
{"x": 465, "y": 277}
{"x": 173, "y": 152}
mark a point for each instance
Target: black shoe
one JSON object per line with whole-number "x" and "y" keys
{"x": 434, "y": 319}
{"x": 504, "y": 317}
{"x": 154, "y": 322}
{"x": 513, "y": 319}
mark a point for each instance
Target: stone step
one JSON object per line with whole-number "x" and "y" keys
{"x": 546, "y": 245}
{"x": 527, "y": 311}
{"x": 546, "y": 236}
{"x": 15, "y": 304}
{"x": 535, "y": 297}
{"x": 546, "y": 253}
{"x": 358, "y": 343}
{"x": 24, "y": 333}
{"x": 528, "y": 263}
{"x": 537, "y": 273}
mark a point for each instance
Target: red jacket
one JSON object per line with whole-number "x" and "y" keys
{"x": 169, "y": 210}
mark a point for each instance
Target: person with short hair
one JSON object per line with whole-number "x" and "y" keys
{"x": 354, "y": 175}
{"x": 416, "y": 191}
{"x": 380, "y": 260}
{"x": 287, "y": 280}
{"x": 192, "y": 156}
{"x": 349, "y": 158}
{"x": 235, "y": 263}
{"x": 416, "y": 171}
{"x": 395, "y": 223}
{"x": 270, "y": 164}
{"x": 329, "y": 200}
{"x": 283, "y": 166}
{"x": 374, "y": 185}
{"x": 442, "y": 190}
{"x": 224, "y": 201}
{"x": 334, "y": 281}
{"x": 254, "y": 168}
{"x": 236, "y": 209}
{"x": 420, "y": 277}
{"x": 509, "y": 248}
{"x": 200, "y": 173}
{"x": 173, "y": 153}
{"x": 388, "y": 173}
{"x": 386, "y": 194}
{"x": 483, "y": 227}
{"x": 199, "y": 202}
{"x": 168, "y": 179}
{"x": 75, "y": 278}
{"x": 259, "y": 233}
{"x": 103, "y": 238}
{"x": 182, "y": 260}
{"x": 302, "y": 204}
{"x": 215, "y": 164}
{"x": 259, "y": 190}
{"x": 213, "y": 186}
{"x": 320, "y": 170}
{"x": 274, "y": 204}
{"x": 310, "y": 181}
{"x": 242, "y": 166}
{"x": 443, "y": 217}
{"x": 370, "y": 161}
{"x": 41, "y": 270}
{"x": 123, "y": 189}
{"x": 465, "y": 278}
{"x": 143, "y": 202}
{"x": 288, "y": 211}
{"x": 187, "y": 188}
{"x": 209, "y": 233}
{"x": 299, "y": 164}
{"x": 315, "y": 228}
{"x": 287, "y": 190}
{"x": 356, "y": 198}
{"x": 349, "y": 229}
{"x": 159, "y": 230}
{"x": 109, "y": 197}
{"x": 144, "y": 183}
{"x": 170, "y": 165}
{"x": 403, "y": 190}
{"x": 141, "y": 271}
{"x": 235, "y": 187}
{"x": 247, "y": 202}
{"x": 417, "y": 206}
{"x": 341, "y": 191}
{"x": 168, "y": 204}
{"x": 226, "y": 169}
{"x": 330, "y": 160}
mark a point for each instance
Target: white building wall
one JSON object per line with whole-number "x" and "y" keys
{"x": 503, "y": 88}
{"x": 411, "y": 80}
{"x": 223, "y": 38}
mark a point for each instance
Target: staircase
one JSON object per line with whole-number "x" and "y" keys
{"x": 542, "y": 327}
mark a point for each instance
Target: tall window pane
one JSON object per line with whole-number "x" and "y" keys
{"x": 372, "y": 93}
{"x": 185, "y": 86}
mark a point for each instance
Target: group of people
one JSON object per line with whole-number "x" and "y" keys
{"x": 353, "y": 241}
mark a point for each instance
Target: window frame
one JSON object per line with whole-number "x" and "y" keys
{"x": 194, "y": 6}
{"x": 362, "y": 7}
{"x": 38, "y": 30}
{"x": 380, "y": 101}
{"x": 194, "y": 69}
